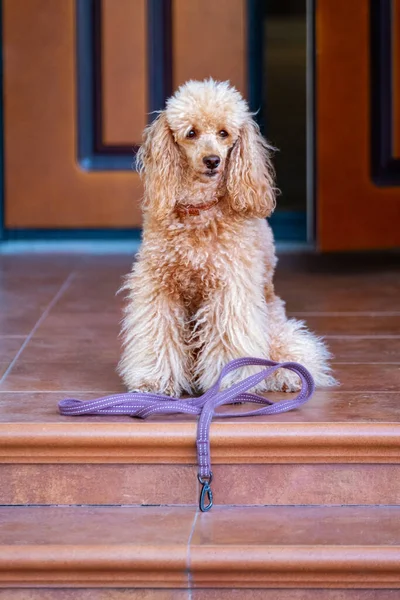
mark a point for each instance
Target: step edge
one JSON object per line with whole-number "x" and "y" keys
{"x": 174, "y": 443}
{"x": 210, "y": 566}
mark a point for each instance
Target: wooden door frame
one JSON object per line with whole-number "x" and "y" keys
{"x": 311, "y": 124}
{"x": 90, "y": 152}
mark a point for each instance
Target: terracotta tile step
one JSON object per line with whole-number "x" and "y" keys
{"x": 333, "y": 427}
{"x": 124, "y": 594}
{"x": 195, "y": 594}
{"x": 234, "y": 484}
{"x": 341, "y": 448}
{"x": 176, "y": 548}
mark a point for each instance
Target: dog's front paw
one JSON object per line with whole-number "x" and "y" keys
{"x": 166, "y": 382}
{"x": 156, "y": 387}
{"x": 282, "y": 380}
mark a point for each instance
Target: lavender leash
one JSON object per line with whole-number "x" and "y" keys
{"x": 143, "y": 405}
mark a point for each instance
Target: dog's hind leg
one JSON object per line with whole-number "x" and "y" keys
{"x": 291, "y": 341}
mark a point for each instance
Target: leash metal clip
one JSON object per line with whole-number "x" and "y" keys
{"x": 205, "y": 491}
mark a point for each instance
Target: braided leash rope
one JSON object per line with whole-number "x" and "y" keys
{"x": 144, "y": 405}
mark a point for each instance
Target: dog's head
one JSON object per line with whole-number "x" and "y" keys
{"x": 207, "y": 133}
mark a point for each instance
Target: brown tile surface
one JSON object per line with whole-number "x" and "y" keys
{"x": 324, "y": 406}
{"x": 234, "y": 484}
{"x": 116, "y": 547}
{"x": 339, "y": 283}
{"x": 293, "y": 526}
{"x": 76, "y": 346}
{"x": 205, "y": 594}
{"x": 86, "y": 295}
{"x": 309, "y": 594}
{"x": 30, "y": 265}
{"x": 58, "y": 375}
{"x": 78, "y": 324}
{"x": 9, "y": 347}
{"x": 111, "y": 594}
{"x": 41, "y": 369}
{"x": 289, "y": 484}
{"x": 368, "y": 377}
{"x": 382, "y": 324}
{"x": 100, "y": 484}
{"x": 27, "y": 285}
{"x": 104, "y": 267}
{"x": 236, "y": 537}
{"x": 23, "y": 305}
{"x": 305, "y": 293}
{"x": 36, "y": 407}
{"x": 74, "y": 349}
{"x": 371, "y": 349}
{"x": 296, "y": 547}
{"x": 95, "y": 526}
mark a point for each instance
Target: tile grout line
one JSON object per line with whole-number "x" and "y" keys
{"x": 42, "y": 317}
{"x": 188, "y": 566}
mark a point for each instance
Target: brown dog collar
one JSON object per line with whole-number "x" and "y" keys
{"x": 195, "y": 209}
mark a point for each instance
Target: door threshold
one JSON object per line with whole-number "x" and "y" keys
{"x": 106, "y": 247}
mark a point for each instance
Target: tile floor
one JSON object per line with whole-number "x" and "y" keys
{"x": 59, "y": 324}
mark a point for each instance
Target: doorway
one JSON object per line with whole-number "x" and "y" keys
{"x": 284, "y": 113}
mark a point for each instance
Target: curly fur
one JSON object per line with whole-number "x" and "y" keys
{"x": 201, "y": 290}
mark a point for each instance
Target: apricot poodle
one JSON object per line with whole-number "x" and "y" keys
{"x": 201, "y": 292}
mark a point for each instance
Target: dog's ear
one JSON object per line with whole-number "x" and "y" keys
{"x": 250, "y": 176}
{"x": 159, "y": 163}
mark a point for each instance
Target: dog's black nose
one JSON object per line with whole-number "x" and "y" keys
{"x": 211, "y": 161}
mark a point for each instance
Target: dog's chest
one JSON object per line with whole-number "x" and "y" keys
{"x": 197, "y": 264}
{"x": 195, "y": 267}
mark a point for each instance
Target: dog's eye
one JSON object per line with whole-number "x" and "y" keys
{"x": 191, "y": 134}
{"x": 223, "y": 133}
